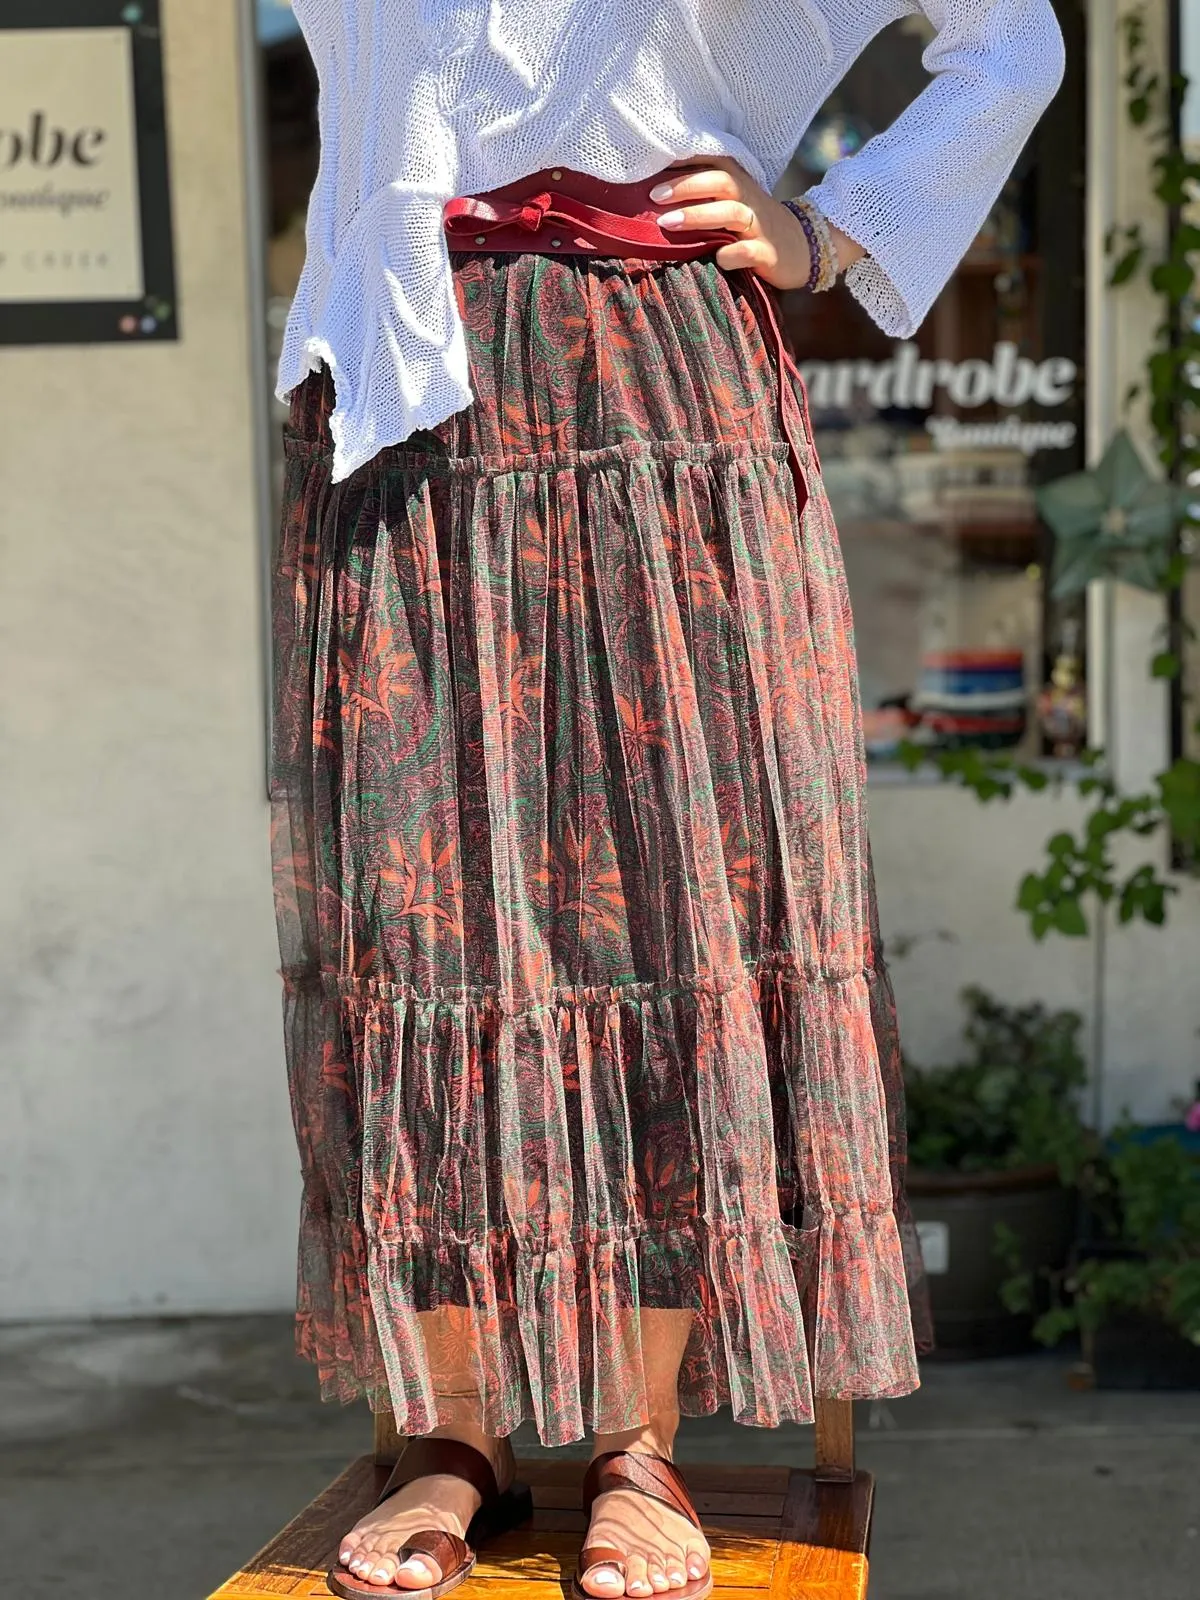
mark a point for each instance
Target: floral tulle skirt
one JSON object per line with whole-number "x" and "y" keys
{"x": 585, "y": 1008}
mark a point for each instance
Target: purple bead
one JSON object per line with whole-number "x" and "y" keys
{"x": 814, "y": 244}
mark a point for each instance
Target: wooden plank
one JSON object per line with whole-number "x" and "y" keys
{"x": 810, "y": 1544}
{"x": 833, "y": 1442}
{"x": 286, "y": 1564}
{"x": 823, "y": 1542}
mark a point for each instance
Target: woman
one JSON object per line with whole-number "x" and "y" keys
{"x": 591, "y": 1046}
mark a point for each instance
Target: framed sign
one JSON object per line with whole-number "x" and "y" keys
{"x": 85, "y": 208}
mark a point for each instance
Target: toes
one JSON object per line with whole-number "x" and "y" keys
{"x": 676, "y": 1576}
{"x": 383, "y": 1567}
{"x": 637, "y": 1577}
{"x": 418, "y": 1572}
{"x": 656, "y": 1568}
{"x": 603, "y": 1581}
{"x": 348, "y": 1549}
{"x": 370, "y": 1564}
{"x": 696, "y": 1556}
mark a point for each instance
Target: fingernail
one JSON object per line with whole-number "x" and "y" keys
{"x": 670, "y": 219}
{"x": 662, "y": 191}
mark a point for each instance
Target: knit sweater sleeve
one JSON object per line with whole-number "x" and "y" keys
{"x": 916, "y": 195}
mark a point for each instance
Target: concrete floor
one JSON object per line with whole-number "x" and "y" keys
{"x": 171, "y": 1451}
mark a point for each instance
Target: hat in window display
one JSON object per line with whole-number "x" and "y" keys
{"x": 885, "y": 729}
{"x": 972, "y": 697}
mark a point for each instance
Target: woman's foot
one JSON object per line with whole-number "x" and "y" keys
{"x": 662, "y": 1549}
{"x": 370, "y": 1549}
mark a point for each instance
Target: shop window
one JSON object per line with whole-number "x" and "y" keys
{"x": 292, "y": 145}
{"x": 933, "y": 449}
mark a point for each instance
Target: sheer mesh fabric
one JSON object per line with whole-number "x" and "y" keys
{"x": 586, "y": 1010}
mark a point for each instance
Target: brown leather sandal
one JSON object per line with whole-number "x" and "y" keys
{"x": 655, "y": 1477}
{"x": 424, "y": 1458}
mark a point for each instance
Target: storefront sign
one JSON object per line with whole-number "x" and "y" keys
{"x": 85, "y": 228}
{"x": 906, "y": 382}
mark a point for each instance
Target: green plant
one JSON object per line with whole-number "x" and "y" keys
{"x": 1012, "y": 1102}
{"x": 1143, "y": 1198}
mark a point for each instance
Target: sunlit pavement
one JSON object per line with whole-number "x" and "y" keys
{"x": 164, "y": 1454}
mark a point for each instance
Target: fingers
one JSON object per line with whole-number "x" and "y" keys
{"x": 733, "y": 215}
{"x": 758, "y": 255}
{"x": 711, "y": 181}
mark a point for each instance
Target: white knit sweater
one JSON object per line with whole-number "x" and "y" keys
{"x": 422, "y": 100}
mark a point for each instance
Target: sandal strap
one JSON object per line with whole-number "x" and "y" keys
{"x": 451, "y": 1458}
{"x": 600, "y": 1555}
{"x": 447, "y": 1549}
{"x": 650, "y": 1475}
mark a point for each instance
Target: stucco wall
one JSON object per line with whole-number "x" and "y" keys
{"x": 146, "y": 1156}
{"x": 146, "y": 1160}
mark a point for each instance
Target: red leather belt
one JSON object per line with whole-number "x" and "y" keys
{"x": 562, "y": 212}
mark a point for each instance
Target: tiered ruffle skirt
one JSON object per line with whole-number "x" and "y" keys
{"x": 586, "y": 1012}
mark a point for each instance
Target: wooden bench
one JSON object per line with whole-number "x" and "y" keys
{"x": 777, "y": 1533}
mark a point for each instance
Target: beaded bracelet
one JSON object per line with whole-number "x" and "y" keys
{"x": 823, "y": 272}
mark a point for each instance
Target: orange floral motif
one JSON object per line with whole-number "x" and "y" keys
{"x": 583, "y": 865}
{"x": 333, "y": 1070}
{"x": 371, "y": 695}
{"x": 428, "y": 568}
{"x": 524, "y": 691}
{"x": 639, "y": 731}
{"x": 426, "y": 890}
{"x": 741, "y": 867}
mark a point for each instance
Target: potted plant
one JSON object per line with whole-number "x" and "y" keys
{"x": 996, "y": 1142}
{"x": 1131, "y": 1289}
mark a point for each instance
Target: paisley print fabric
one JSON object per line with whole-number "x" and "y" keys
{"x": 586, "y": 1012}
